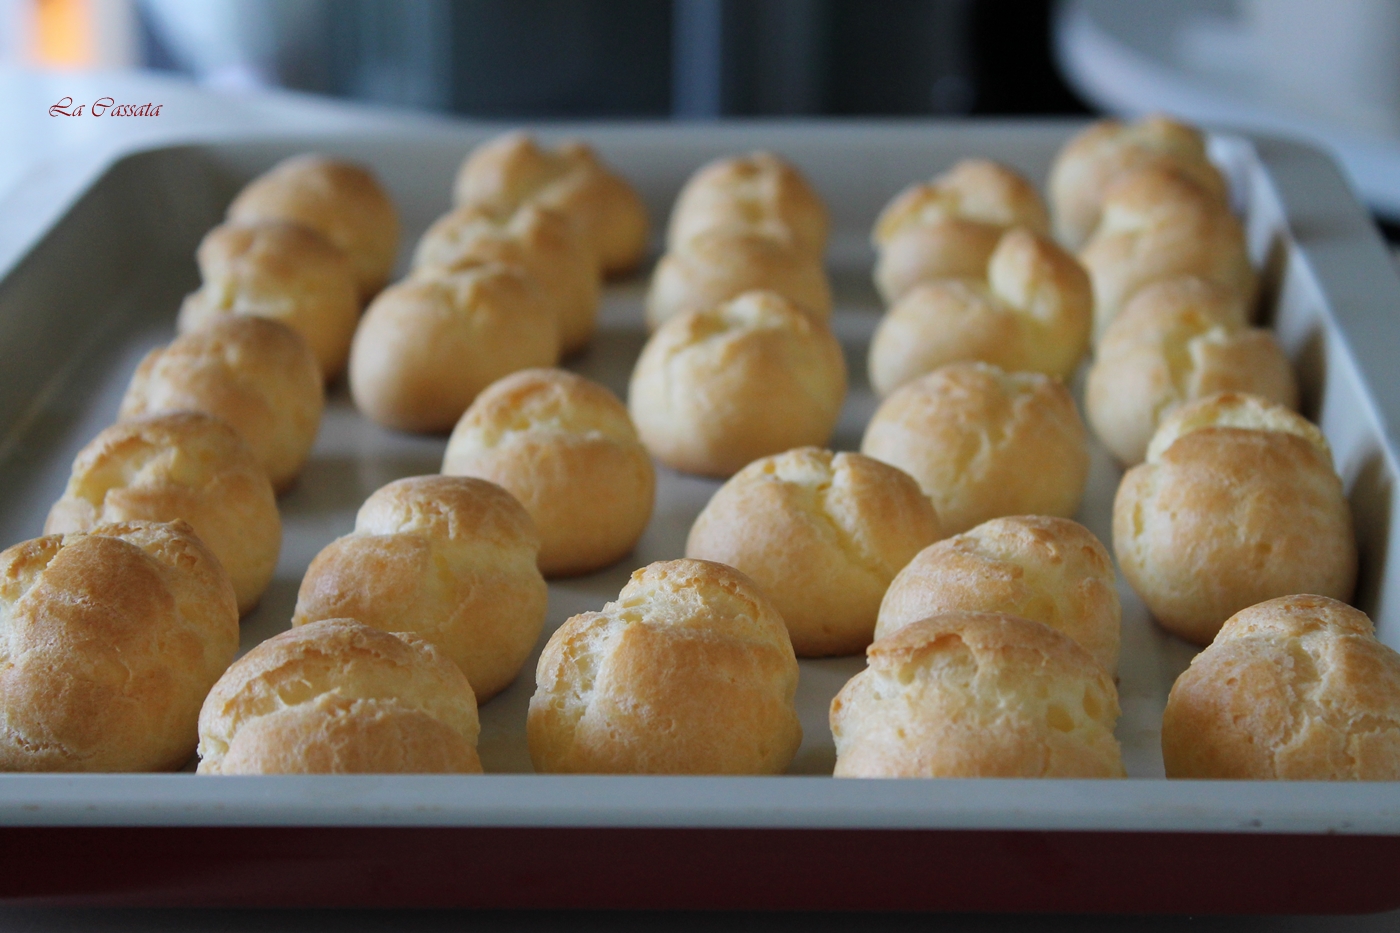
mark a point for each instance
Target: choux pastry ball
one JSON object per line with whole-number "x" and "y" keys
{"x": 761, "y": 191}
{"x": 449, "y": 558}
{"x": 180, "y": 466}
{"x": 968, "y": 431}
{"x": 565, "y": 447}
{"x": 339, "y": 697}
{"x": 689, "y": 671}
{"x": 1236, "y": 503}
{"x": 545, "y": 243}
{"x": 948, "y": 227}
{"x": 283, "y": 272}
{"x": 1033, "y": 310}
{"x": 715, "y": 266}
{"x": 506, "y": 172}
{"x": 1049, "y": 570}
{"x": 1158, "y": 225}
{"x": 111, "y": 639}
{"x": 1177, "y": 340}
{"x": 341, "y": 201}
{"x": 257, "y": 375}
{"x": 427, "y": 347}
{"x": 822, "y": 534}
{"x": 977, "y": 694}
{"x": 714, "y": 390}
{"x": 1296, "y": 688}
{"x": 1090, "y": 162}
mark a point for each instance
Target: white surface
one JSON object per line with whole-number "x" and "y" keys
{"x": 38, "y": 150}
{"x": 1192, "y": 59}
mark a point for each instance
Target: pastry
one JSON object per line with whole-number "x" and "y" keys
{"x": 759, "y": 191}
{"x": 822, "y": 534}
{"x": 184, "y": 465}
{"x": 339, "y": 697}
{"x": 977, "y": 694}
{"x": 1297, "y": 688}
{"x": 542, "y": 242}
{"x": 565, "y": 447}
{"x": 505, "y": 172}
{"x": 715, "y": 266}
{"x": 257, "y": 375}
{"x": 1049, "y": 570}
{"x": 716, "y": 389}
{"x": 1236, "y": 503}
{"x": 1031, "y": 309}
{"x": 690, "y": 671}
{"x": 1095, "y": 158}
{"x": 1158, "y": 225}
{"x": 426, "y": 347}
{"x": 111, "y": 639}
{"x": 948, "y": 227}
{"x": 339, "y": 200}
{"x": 1177, "y": 340}
{"x": 283, "y": 272}
{"x": 449, "y": 558}
{"x": 968, "y": 432}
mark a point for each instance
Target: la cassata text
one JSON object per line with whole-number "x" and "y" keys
{"x": 104, "y": 107}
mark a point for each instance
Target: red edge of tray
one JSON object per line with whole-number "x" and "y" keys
{"x": 746, "y": 869}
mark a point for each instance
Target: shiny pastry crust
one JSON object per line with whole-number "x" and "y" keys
{"x": 714, "y": 390}
{"x": 280, "y": 271}
{"x": 339, "y": 200}
{"x": 1159, "y": 225}
{"x": 544, "y": 243}
{"x": 506, "y": 172}
{"x": 111, "y": 639}
{"x": 1090, "y": 162}
{"x": 1177, "y": 340}
{"x": 426, "y": 347}
{"x": 1237, "y": 503}
{"x": 717, "y": 266}
{"x": 1031, "y": 310}
{"x": 759, "y": 191}
{"x": 257, "y": 375}
{"x": 948, "y": 227}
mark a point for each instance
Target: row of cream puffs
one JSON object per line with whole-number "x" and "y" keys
{"x": 507, "y": 280}
{"x": 741, "y": 363}
{"x": 969, "y": 272}
{"x": 127, "y": 611}
{"x": 740, "y": 224}
{"x": 217, "y": 422}
{"x": 960, "y": 682}
{"x": 306, "y": 243}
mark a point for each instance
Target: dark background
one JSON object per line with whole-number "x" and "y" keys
{"x": 690, "y": 59}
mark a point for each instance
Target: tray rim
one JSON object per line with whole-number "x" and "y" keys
{"x": 1133, "y": 805}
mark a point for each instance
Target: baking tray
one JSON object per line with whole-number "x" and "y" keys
{"x": 80, "y": 306}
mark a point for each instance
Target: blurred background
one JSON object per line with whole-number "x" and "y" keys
{"x": 581, "y": 58}
{"x": 1326, "y": 70}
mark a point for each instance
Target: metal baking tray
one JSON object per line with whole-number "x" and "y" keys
{"x": 81, "y": 302}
